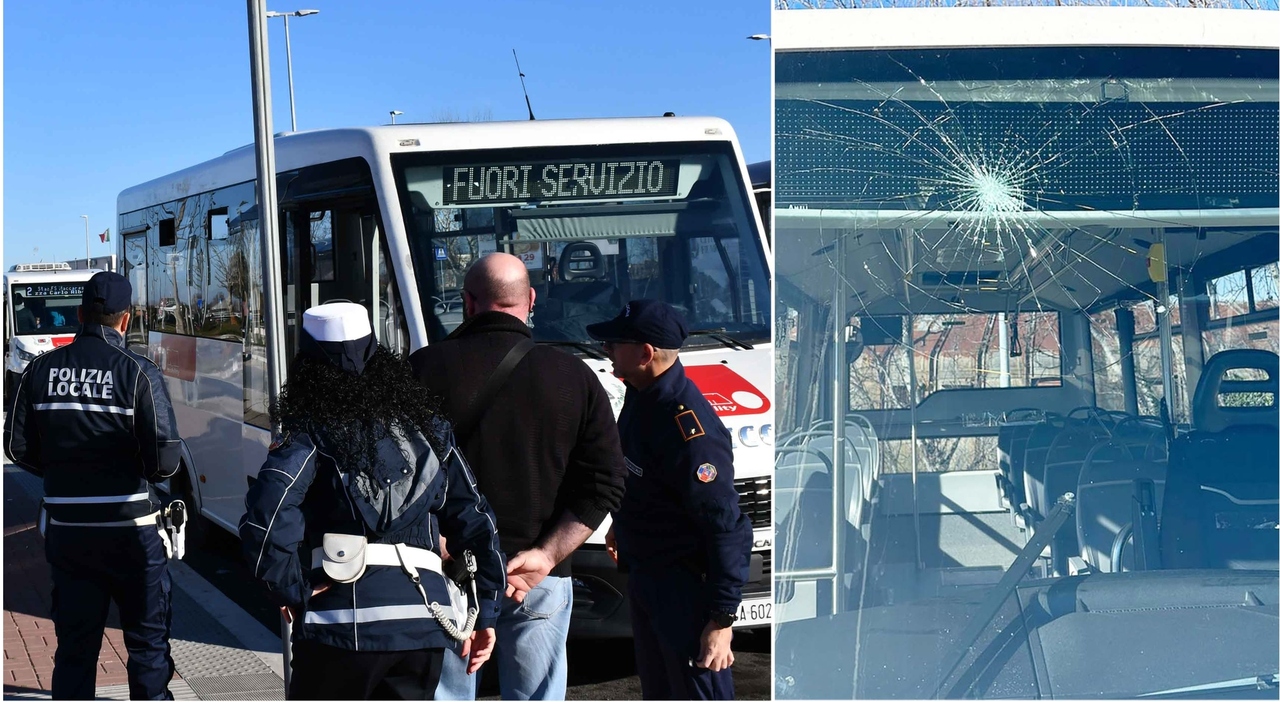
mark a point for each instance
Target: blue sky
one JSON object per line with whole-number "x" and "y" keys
{"x": 100, "y": 96}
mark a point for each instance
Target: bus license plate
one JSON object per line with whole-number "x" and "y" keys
{"x": 754, "y": 613}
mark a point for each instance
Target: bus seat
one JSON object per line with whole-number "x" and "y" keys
{"x": 1222, "y": 496}
{"x": 854, "y": 497}
{"x": 1034, "y": 458}
{"x": 1011, "y": 446}
{"x": 1062, "y": 468}
{"x": 1142, "y": 437}
{"x": 1105, "y": 493}
{"x": 1208, "y": 413}
{"x": 792, "y": 468}
{"x": 863, "y": 444}
{"x": 584, "y": 277}
{"x": 1062, "y": 465}
{"x": 802, "y": 508}
{"x": 873, "y": 437}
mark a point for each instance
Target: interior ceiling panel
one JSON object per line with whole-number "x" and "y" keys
{"x": 1072, "y": 269}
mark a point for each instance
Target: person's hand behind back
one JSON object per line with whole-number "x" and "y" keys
{"x": 525, "y": 570}
{"x": 479, "y": 647}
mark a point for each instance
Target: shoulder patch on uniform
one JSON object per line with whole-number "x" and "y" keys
{"x": 280, "y": 441}
{"x": 690, "y": 427}
{"x": 706, "y": 472}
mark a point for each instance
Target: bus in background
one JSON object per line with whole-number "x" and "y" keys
{"x": 1027, "y": 366}
{"x": 601, "y": 211}
{"x": 761, "y": 174}
{"x": 40, "y": 301}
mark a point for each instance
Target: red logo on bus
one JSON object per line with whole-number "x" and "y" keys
{"x": 730, "y": 394}
{"x": 177, "y": 356}
{"x": 59, "y": 341}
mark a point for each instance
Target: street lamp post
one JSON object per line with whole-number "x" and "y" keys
{"x": 393, "y": 115}
{"x": 86, "y": 240}
{"x": 288, "y": 54}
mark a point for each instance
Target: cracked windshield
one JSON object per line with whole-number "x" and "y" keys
{"x": 1036, "y": 282}
{"x": 595, "y": 228}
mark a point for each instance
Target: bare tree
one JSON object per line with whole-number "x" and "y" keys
{"x": 449, "y": 114}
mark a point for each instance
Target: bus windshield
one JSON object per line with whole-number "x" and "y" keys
{"x": 1054, "y": 272}
{"x": 45, "y": 308}
{"x": 595, "y": 226}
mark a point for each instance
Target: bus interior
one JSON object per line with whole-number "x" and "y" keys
{"x": 1047, "y": 322}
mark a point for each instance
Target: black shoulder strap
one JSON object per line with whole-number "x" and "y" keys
{"x": 467, "y": 420}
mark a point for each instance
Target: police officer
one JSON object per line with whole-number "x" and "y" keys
{"x": 679, "y": 532}
{"x": 344, "y": 522}
{"x": 95, "y": 421}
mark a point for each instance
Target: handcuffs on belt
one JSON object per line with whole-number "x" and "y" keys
{"x": 171, "y": 523}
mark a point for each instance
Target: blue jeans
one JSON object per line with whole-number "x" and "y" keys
{"x": 531, "y": 658}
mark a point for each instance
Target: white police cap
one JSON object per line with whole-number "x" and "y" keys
{"x": 337, "y": 322}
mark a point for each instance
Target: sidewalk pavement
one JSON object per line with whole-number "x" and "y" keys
{"x": 219, "y": 650}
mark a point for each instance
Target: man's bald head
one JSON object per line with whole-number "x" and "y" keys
{"x": 498, "y": 282}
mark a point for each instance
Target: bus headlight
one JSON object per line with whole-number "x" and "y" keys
{"x": 25, "y": 356}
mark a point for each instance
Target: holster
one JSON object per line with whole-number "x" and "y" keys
{"x": 460, "y": 575}
{"x": 172, "y": 525}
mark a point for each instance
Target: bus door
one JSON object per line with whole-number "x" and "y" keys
{"x": 340, "y": 255}
{"x": 8, "y": 322}
{"x": 134, "y": 268}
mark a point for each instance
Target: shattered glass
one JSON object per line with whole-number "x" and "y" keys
{"x": 1001, "y": 237}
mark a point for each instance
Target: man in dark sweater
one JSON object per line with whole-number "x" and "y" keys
{"x": 546, "y": 455}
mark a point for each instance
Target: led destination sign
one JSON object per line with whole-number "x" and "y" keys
{"x": 560, "y": 181}
{"x": 51, "y": 290}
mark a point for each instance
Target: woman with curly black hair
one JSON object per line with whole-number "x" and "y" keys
{"x": 344, "y": 523}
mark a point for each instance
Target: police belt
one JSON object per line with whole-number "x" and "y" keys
{"x": 345, "y": 557}
{"x": 148, "y": 520}
{"x": 386, "y": 555}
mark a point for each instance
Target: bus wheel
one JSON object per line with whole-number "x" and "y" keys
{"x": 10, "y": 387}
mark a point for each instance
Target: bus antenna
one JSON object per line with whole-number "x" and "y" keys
{"x": 524, "y": 89}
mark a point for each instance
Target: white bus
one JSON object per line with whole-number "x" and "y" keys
{"x": 761, "y": 174}
{"x": 40, "y": 301}
{"x": 601, "y": 211}
{"x": 1028, "y": 299}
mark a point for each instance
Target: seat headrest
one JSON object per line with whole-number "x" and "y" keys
{"x": 1259, "y": 377}
{"x": 595, "y": 268}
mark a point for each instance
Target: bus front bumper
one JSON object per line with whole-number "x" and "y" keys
{"x": 601, "y": 610}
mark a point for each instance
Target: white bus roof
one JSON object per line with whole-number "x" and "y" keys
{"x": 299, "y": 149}
{"x": 987, "y": 27}
{"x": 75, "y": 274}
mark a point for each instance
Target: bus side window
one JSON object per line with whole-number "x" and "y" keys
{"x": 134, "y": 268}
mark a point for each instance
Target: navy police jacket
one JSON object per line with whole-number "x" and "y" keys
{"x": 95, "y": 421}
{"x": 302, "y": 493}
{"x": 680, "y": 508}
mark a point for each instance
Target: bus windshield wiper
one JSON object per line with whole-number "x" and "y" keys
{"x": 1258, "y": 682}
{"x": 585, "y": 347}
{"x": 719, "y": 335}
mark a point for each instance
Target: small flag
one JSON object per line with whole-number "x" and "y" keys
{"x": 105, "y": 235}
